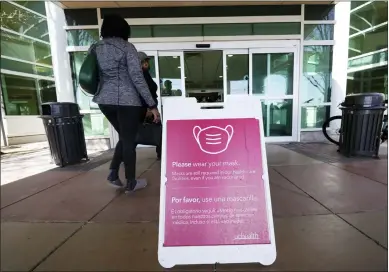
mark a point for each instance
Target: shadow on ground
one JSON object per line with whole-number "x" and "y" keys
{"x": 329, "y": 216}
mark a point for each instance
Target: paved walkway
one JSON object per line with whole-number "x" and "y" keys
{"x": 21, "y": 161}
{"x": 329, "y": 216}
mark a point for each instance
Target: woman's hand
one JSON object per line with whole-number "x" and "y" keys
{"x": 156, "y": 115}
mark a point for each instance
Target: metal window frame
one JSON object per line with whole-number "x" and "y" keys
{"x": 361, "y": 6}
{"x": 367, "y": 30}
{"x": 368, "y": 54}
{"x": 21, "y": 74}
{"x": 26, "y": 61}
{"x": 310, "y": 43}
{"x": 23, "y": 35}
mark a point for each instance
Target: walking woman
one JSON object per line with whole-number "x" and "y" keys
{"x": 123, "y": 96}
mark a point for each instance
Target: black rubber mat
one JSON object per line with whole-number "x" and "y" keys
{"x": 327, "y": 152}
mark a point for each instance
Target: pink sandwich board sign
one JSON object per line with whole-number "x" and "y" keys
{"x": 215, "y": 202}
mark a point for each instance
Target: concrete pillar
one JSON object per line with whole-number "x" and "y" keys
{"x": 340, "y": 56}
{"x": 3, "y": 121}
{"x": 61, "y": 63}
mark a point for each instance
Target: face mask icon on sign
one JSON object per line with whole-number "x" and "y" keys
{"x": 213, "y": 140}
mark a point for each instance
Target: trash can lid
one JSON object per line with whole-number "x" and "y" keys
{"x": 364, "y": 100}
{"x": 59, "y": 103}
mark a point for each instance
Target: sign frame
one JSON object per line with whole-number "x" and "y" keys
{"x": 237, "y": 106}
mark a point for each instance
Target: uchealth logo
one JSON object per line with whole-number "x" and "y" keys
{"x": 213, "y": 140}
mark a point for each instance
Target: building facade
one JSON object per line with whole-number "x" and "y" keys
{"x": 27, "y": 77}
{"x": 301, "y": 59}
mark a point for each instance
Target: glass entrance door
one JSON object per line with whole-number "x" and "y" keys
{"x": 273, "y": 76}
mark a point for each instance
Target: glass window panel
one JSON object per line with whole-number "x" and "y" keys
{"x": 204, "y": 75}
{"x": 260, "y": 71}
{"x": 227, "y": 29}
{"x": 355, "y": 4}
{"x": 273, "y": 74}
{"x": 276, "y": 28}
{"x": 369, "y": 80}
{"x": 204, "y": 11}
{"x": 369, "y": 41}
{"x": 317, "y": 74}
{"x": 319, "y": 12}
{"x": 318, "y": 32}
{"x": 314, "y": 116}
{"x": 42, "y": 53}
{"x": 152, "y": 67}
{"x": 37, "y": 6}
{"x": 81, "y": 16}
{"x": 141, "y": 32}
{"x": 47, "y": 91}
{"x": 82, "y": 37}
{"x": 170, "y": 75}
{"x": 277, "y": 117}
{"x": 177, "y": 30}
{"x": 20, "y": 95}
{"x": 378, "y": 58}
{"x": 238, "y": 74}
{"x": 370, "y": 15}
{"x": 26, "y": 68}
{"x": 24, "y": 48}
{"x": 83, "y": 100}
{"x": 95, "y": 124}
{"x": 22, "y": 21}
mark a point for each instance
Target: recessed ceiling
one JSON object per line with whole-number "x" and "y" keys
{"x": 75, "y": 4}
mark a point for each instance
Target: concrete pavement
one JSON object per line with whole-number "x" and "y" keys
{"x": 329, "y": 216}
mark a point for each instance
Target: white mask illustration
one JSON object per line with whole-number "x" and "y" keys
{"x": 213, "y": 140}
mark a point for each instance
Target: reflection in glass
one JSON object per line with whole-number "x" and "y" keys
{"x": 374, "y": 80}
{"x": 319, "y": 12}
{"x": 273, "y": 74}
{"x": 47, "y": 90}
{"x": 373, "y": 13}
{"x": 317, "y": 74}
{"x": 82, "y": 37}
{"x": 227, "y": 29}
{"x": 20, "y": 66}
{"x": 277, "y": 117}
{"x": 176, "y": 30}
{"x": 23, "y": 21}
{"x": 95, "y": 124}
{"x": 141, "y": 31}
{"x": 22, "y": 95}
{"x": 170, "y": 75}
{"x": 276, "y": 28}
{"x": 238, "y": 74}
{"x": 369, "y": 41}
{"x": 318, "y": 32}
{"x": 25, "y": 49}
{"x": 378, "y": 58}
{"x": 204, "y": 75}
{"x": 38, "y": 6}
{"x": 314, "y": 116}
{"x": 83, "y": 100}
{"x": 152, "y": 67}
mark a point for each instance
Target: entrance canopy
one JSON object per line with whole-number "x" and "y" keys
{"x": 121, "y": 4}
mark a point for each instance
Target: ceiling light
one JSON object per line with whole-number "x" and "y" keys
{"x": 179, "y": 67}
{"x": 174, "y": 57}
{"x": 230, "y": 56}
{"x": 220, "y": 76}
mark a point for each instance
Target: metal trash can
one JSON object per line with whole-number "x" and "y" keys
{"x": 65, "y": 132}
{"x": 362, "y": 116}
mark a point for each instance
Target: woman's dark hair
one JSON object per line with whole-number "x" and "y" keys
{"x": 115, "y": 26}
